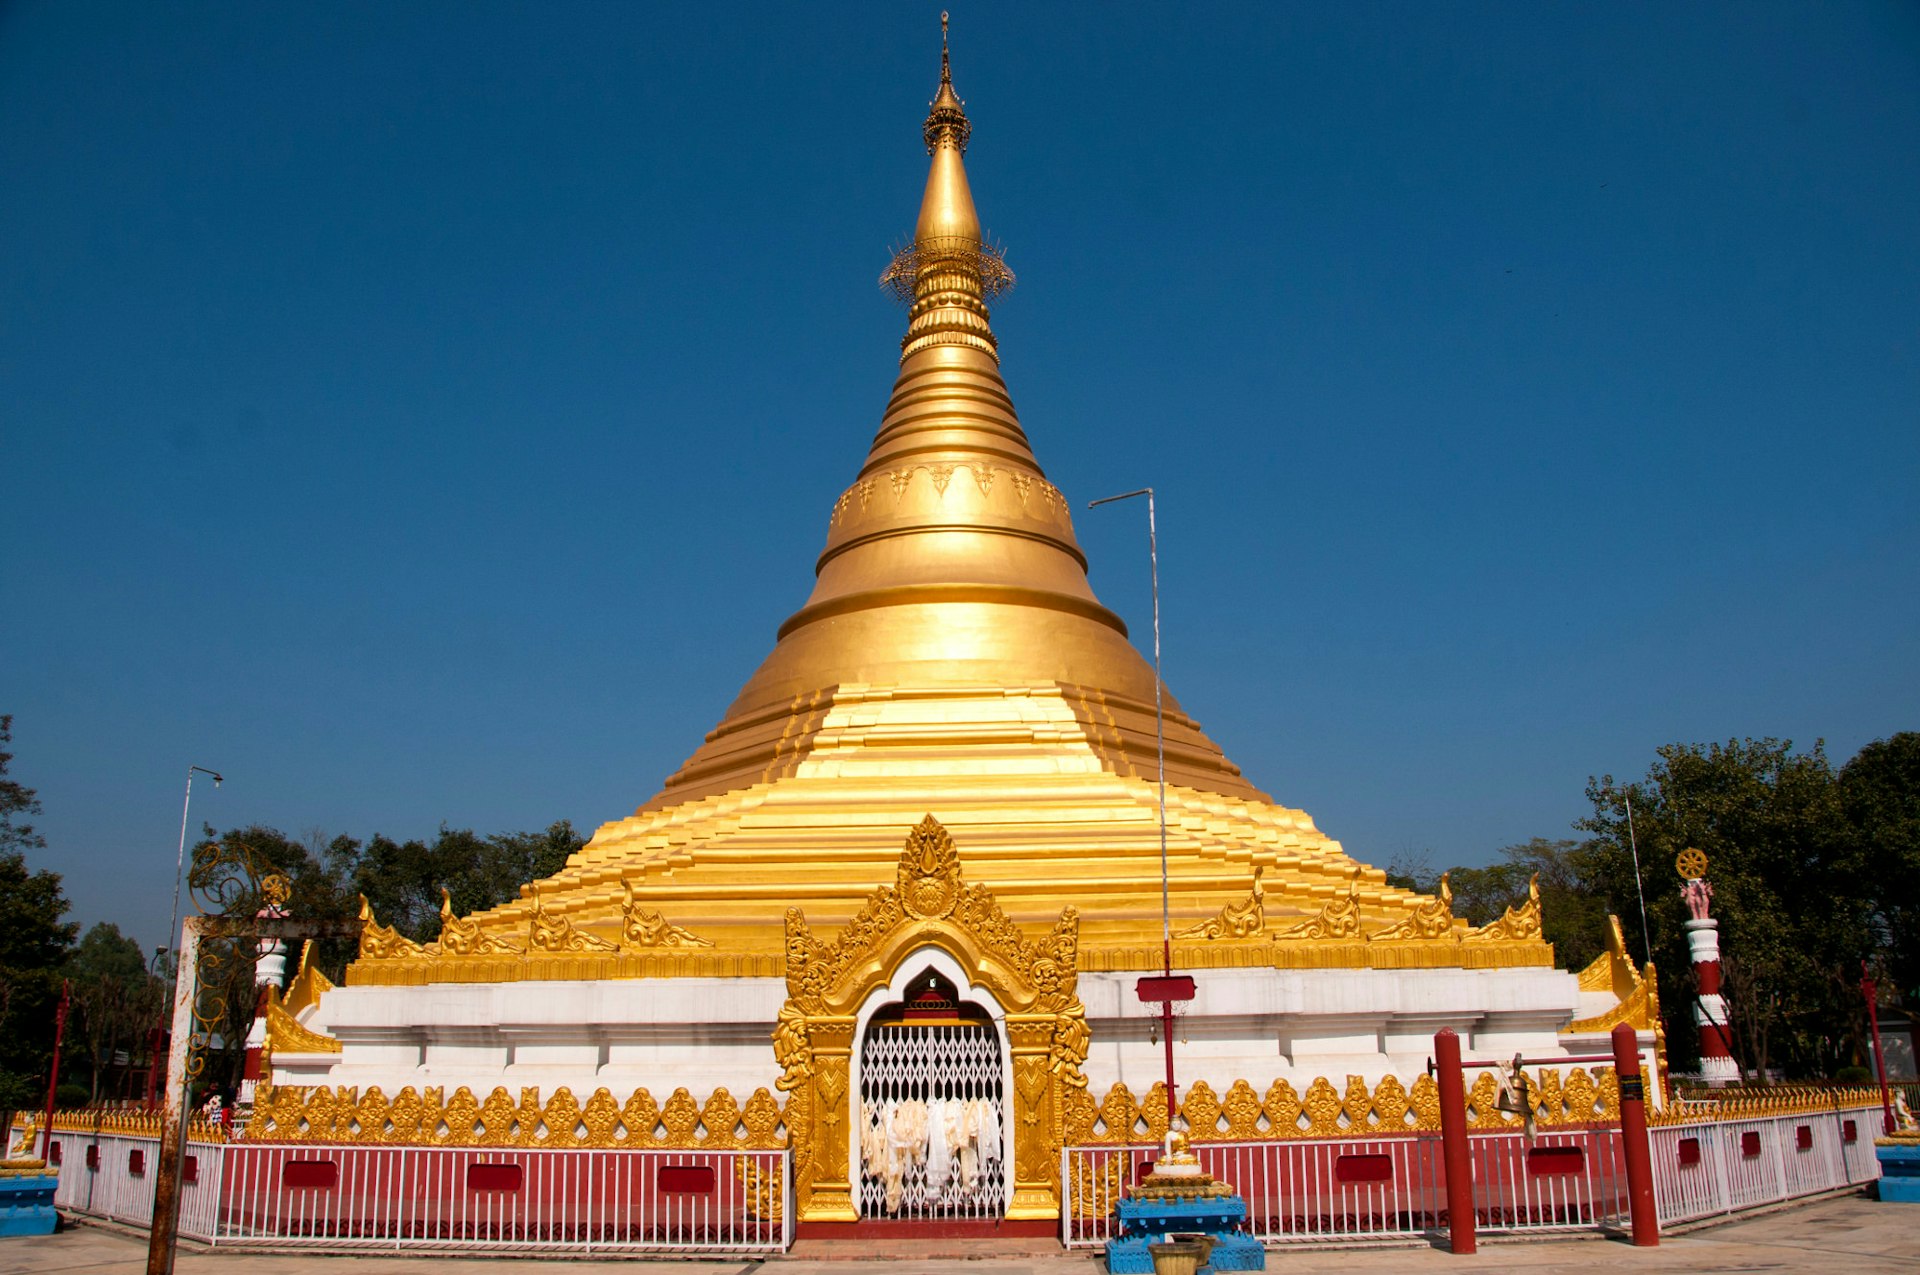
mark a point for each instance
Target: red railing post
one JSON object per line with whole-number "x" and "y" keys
{"x": 1870, "y": 991}
{"x": 53, "y": 1072}
{"x": 1453, "y": 1139}
{"x": 1633, "y": 1136}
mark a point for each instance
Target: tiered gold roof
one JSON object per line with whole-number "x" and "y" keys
{"x": 951, "y": 660}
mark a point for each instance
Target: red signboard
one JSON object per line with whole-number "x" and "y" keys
{"x": 1363, "y": 1168}
{"x": 1849, "y": 1132}
{"x": 1689, "y": 1151}
{"x": 1553, "y": 1161}
{"x": 1750, "y": 1145}
{"x": 1803, "y": 1137}
{"x": 686, "y": 1179}
{"x": 190, "y": 1173}
{"x": 137, "y": 1163}
{"x": 494, "y": 1177}
{"x": 1165, "y": 987}
{"x": 309, "y": 1175}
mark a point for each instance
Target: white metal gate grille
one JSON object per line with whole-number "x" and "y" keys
{"x": 913, "y": 1076}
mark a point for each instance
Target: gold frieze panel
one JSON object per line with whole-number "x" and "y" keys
{"x": 428, "y": 1117}
{"x": 1243, "y": 1114}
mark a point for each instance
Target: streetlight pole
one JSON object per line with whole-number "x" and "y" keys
{"x": 1165, "y": 992}
{"x": 180, "y": 860}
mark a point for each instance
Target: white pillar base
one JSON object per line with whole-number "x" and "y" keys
{"x": 1719, "y": 1071}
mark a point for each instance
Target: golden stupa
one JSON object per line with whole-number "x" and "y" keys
{"x": 952, "y": 660}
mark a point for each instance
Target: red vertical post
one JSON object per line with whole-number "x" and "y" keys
{"x": 1871, "y": 991}
{"x": 1453, "y": 1139}
{"x": 53, "y": 1073}
{"x": 1633, "y": 1137}
{"x": 1166, "y": 1034}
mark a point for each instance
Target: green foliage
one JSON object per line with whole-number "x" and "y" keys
{"x": 1790, "y": 889}
{"x": 1880, "y": 792}
{"x": 401, "y": 880}
{"x": 15, "y": 800}
{"x": 33, "y": 944}
{"x": 1573, "y": 916}
{"x": 116, "y": 1001}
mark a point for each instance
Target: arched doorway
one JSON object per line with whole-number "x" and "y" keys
{"x": 929, "y": 917}
{"x": 930, "y": 1077}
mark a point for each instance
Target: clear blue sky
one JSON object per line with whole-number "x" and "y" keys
{"x": 427, "y": 412}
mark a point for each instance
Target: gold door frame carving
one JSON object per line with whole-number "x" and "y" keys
{"x": 1034, "y": 981}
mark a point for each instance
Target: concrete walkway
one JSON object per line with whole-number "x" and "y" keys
{"x": 1846, "y": 1235}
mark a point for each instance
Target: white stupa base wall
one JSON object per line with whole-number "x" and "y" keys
{"x": 704, "y": 1033}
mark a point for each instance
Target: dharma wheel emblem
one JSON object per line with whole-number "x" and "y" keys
{"x": 1692, "y": 864}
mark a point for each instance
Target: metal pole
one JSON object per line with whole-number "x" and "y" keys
{"x": 53, "y": 1074}
{"x": 180, "y": 859}
{"x": 175, "y": 1114}
{"x": 1646, "y": 936}
{"x": 1633, "y": 1137}
{"x": 155, "y": 1034}
{"x": 1871, "y": 990}
{"x": 172, "y": 1155}
{"x": 1453, "y": 1140}
{"x": 1160, "y": 756}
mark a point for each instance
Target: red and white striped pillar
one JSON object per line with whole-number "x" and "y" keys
{"x": 269, "y": 972}
{"x": 1717, "y": 1066}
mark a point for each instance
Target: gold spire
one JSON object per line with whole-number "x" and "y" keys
{"x": 951, "y": 560}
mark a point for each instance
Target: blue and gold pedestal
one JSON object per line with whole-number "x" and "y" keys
{"x": 1899, "y": 1170}
{"x": 1148, "y": 1221}
{"x": 26, "y": 1204}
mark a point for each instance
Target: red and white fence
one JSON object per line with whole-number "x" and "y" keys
{"x": 1724, "y": 1166}
{"x": 111, "y": 1175}
{"x": 477, "y": 1198}
{"x": 1372, "y": 1189}
{"x": 1297, "y": 1191}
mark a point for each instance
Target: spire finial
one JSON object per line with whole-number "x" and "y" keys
{"x": 947, "y": 235}
{"x": 947, "y": 120}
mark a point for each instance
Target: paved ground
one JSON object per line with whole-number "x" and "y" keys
{"x": 1848, "y": 1235}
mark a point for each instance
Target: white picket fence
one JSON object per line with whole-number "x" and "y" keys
{"x": 448, "y": 1198}
{"x": 1724, "y": 1166}
{"x": 111, "y": 1175}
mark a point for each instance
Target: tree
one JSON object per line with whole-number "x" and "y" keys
{"x": 15, "y": 800}
{"x": 1573, "y": 917}
{"x": 1795, "y": 917}
{"x": 401, "y": 880}
{"x": 115, "y": 998}
{"x": 1880, "y": 792}
{"x": 33, "y": 943}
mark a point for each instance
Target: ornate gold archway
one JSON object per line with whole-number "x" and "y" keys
{"x": 1034, "y": 980}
